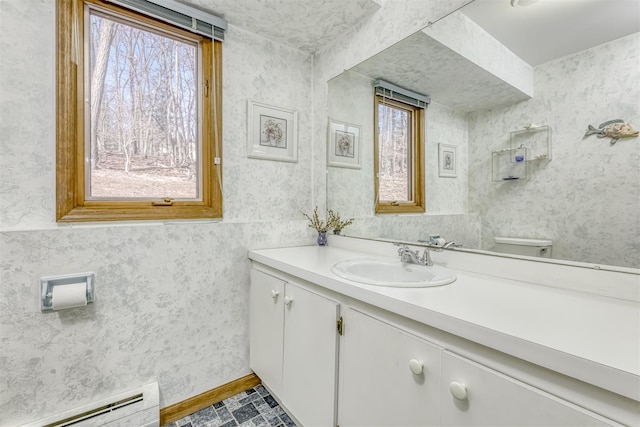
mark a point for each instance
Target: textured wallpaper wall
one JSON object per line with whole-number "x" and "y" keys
{"x": 571, "y": 199}
{"x": 349, "y": 99}
{"x": 396, "y": 20}
{"x": 586, "y": 198}
{"x": 351, "y": 192}
{"x": 171, "y": 299}
{"x": 171, "y": 302}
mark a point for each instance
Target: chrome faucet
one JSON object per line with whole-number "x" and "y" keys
{"x": 409, "y": 256}
{"x": 433, "y": 244}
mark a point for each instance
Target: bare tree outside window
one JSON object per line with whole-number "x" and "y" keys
{"x": 144, "y": 113}
{"x": 394, "y": 170}
{"x": 399, "y": 156}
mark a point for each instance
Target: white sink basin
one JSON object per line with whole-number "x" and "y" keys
{"x": 393, "y": 273}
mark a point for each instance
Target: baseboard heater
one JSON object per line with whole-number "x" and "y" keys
{"x": 139, "y": 407}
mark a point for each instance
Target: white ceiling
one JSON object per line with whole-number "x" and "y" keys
{"x": 549, "y": 29}
{"x": 424, "y": 65}
{"x": 544, "y": 30}
{"x": 304, "y": 24}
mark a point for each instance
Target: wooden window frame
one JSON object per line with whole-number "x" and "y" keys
{"x": 417, "y": 205}
{"x": 71, "y": 205}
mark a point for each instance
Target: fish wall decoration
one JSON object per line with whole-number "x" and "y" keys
{"x": 614, "y": 129}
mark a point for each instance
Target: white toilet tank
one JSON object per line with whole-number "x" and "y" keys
{"x": 518, "y": 246}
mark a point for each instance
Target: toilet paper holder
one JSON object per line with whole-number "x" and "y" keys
{"x": 48, "y": 283}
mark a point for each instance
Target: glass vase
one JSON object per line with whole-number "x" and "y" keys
{"x": 322, "y": 238}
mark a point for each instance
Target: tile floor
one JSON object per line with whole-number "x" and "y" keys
{"x": 251, "y": 408}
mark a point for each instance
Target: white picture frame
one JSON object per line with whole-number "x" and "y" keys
{"x": 447, "y": 161}
{"x": 272, "y": 132}
{"x": 343, "y": 145}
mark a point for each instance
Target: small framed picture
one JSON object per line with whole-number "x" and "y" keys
{"x": 447, "y": 161}
{"x": 344, "y": 145}
{"x": 272, "y": 132}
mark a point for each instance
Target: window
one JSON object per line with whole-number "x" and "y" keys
{"x": 398, "y": 156}
{"x": 138, "y": 117}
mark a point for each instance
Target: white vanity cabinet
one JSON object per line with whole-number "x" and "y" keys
{"x": 413, "y": 357}
{"x": 293, "y": 346}
{"x": 474, "y": 395}
{"x": 387, "y": 376}
{"x": 391, "y": 377}
{"x": 266, "y": 328}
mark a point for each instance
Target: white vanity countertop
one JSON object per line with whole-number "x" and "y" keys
{"x": 589, "y": 337}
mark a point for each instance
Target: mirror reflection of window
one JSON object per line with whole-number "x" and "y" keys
{"x": 399, "y": 166}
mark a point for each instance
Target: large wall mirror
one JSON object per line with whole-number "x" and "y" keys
{"x": 501, "y": 79}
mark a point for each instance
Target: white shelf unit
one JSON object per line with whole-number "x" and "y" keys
{"x": 504, "y": 167}
{"x": 535, "y": 139}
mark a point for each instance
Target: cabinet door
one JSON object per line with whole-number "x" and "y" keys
{"x": 310, "y": 356}
{"x": 486, "y": 397}
{"x": 378, "y": 386}
{"x": 266, "y": 328}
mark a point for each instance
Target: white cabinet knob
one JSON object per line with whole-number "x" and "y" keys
{"x": 416, "y": 367}
{"x": 458, "y": 390}
{"x": 274, "y": 294}
{"x": 288, "y": 301}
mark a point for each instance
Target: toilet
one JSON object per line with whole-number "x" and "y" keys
{"x": 518, "y": 246}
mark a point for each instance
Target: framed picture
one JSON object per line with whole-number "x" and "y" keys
{"x": 272, "y": 132}
{"x": 344, "y": 145}
{"x": 447, "y": 161}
